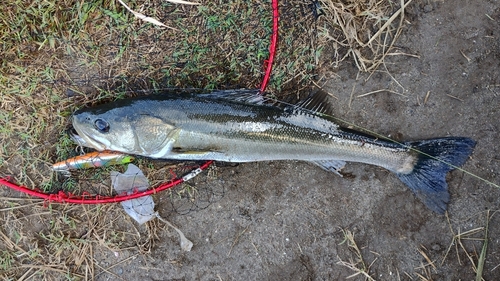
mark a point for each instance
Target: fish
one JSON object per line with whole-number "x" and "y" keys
{"x": 243, "y": 126}
{"x": 92, "y": 160}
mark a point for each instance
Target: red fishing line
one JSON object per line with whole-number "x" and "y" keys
{"x": 272, "y": 48}
{"x": 68, "y": 197}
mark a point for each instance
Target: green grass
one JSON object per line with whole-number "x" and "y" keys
{"x": 6, "y": 260}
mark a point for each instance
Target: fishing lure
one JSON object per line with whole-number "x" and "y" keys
{"x": 92, "y": 160}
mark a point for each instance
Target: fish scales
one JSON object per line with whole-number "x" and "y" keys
{"x": 237, "y": 132}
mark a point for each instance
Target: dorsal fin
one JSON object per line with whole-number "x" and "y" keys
{"x": 317, "y": 102}
{"x": 239, "y": 95}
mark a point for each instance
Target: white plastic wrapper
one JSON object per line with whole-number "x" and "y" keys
{"x": 141, "y": 209}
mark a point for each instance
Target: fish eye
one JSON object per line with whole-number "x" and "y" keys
{"x": 101, "y": 125}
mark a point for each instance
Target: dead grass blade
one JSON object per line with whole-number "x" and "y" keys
{"x": 458, "y": 239}
{"x": 236, "y": 240}
{"x": 482, "y": 256}
{"x": 380, "y": 91}
{"x": 358, "y": 265}
{"x": 45, "y": 268}
{"x": 426, "y": 274}
{"x": 429, "y": 261}
{"x": 146, "y": 18}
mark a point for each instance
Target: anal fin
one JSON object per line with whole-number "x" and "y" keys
{"x": 330, "y": 165}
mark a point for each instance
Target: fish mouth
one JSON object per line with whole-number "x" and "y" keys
{"x": 73, "y": 134}
{"x": 82, "y": 140}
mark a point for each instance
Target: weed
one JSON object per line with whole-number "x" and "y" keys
{"x": 6, "y": 260}
{"x": 358, "y": 265}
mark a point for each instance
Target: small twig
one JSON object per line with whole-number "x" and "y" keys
{"x": 116, "y": 264}
{"x": 429, "y": 261}
{"x": 379, "y": 91}
{"x": 468, "y": 59}
{"x": 409, "y": 276}
{"x": 17, "y": 207}
{"x": 354, "y": 268}
{"x": 24, "y": 276}
{"x": 482, "y": 256}
{"x": 352, "y": 93}
{"x": 452, "y": 241}
{"x": 488, "y": 16}
{"x": 107, "y": 271}
{"x": 47, "y": 268}
{"x": 236, "y": 240}
{"x": 144, "y": 17}
{"x": 427, "y": 97}
{"x": 403, "y": 54}
{"x": 457, "y": 98}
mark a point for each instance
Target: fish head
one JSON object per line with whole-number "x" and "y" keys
{"x": 121, "y": 129}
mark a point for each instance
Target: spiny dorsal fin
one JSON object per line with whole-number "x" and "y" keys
{"x": 317, "y": 102}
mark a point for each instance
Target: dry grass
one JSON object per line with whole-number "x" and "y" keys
{"x": 64, "y": 240}
{"x": 426, "y": 269}
{"x": 358, "y": 264}
{"x": 364, "y": 31}
{"x": 459, "y": 240}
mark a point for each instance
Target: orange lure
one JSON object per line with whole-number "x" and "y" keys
{"x": 93, "y": 160}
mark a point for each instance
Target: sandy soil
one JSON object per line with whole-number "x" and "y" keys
{"x": 287, "y": 220}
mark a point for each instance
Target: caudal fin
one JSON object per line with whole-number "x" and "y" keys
{"x": 437, "y": 158}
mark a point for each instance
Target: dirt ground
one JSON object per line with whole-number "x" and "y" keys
{"x": 294, "y": 221}
{"x": 288, "y": 220}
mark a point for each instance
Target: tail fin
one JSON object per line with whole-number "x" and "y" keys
{"x": 438, "y": 157}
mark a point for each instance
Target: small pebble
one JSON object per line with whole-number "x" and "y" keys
{"x": 428, "y": 8}
{"x": 70, "y": 93}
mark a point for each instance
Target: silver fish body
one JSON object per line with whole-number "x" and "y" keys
{"x": 216, "y": 127}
